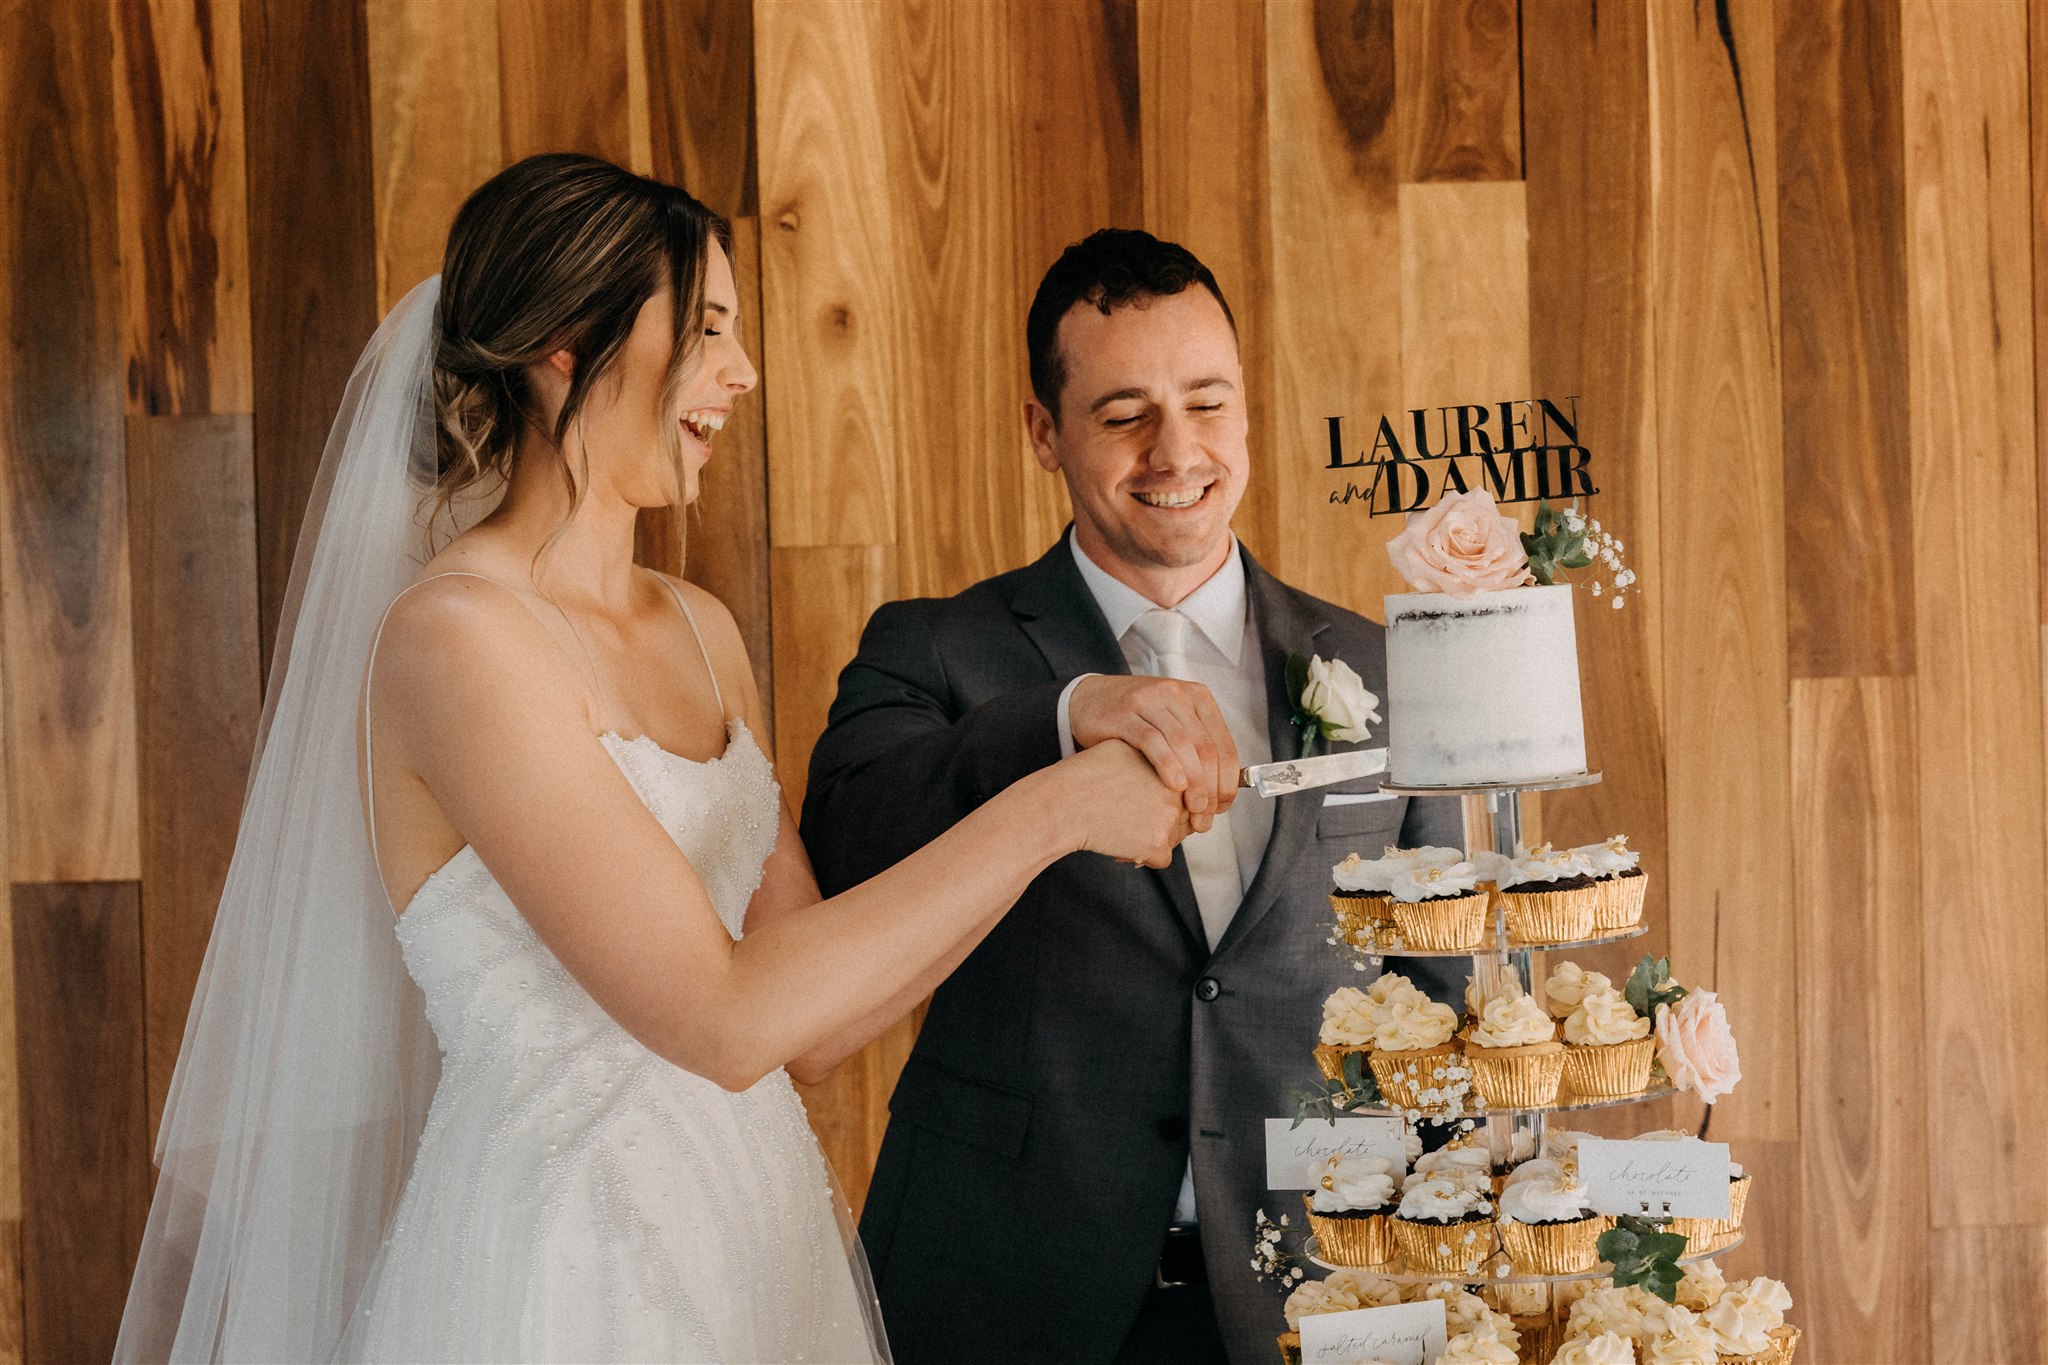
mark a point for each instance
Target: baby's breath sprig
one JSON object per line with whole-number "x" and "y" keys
{"x": 1568, "y": 539}
{"x": 1278, "y": 1252}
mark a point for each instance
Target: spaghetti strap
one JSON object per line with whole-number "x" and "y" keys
{"x": 717, "y": 693}
{"x": 369, "y": 671}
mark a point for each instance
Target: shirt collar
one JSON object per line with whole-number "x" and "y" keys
{"x": 1217, "y": 609}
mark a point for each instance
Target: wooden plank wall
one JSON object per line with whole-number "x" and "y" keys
{"x": 1783, "y": 252}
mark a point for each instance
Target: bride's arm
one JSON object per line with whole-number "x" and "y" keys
{"x": 484, "y": 709}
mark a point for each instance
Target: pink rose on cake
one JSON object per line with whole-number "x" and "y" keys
{"x": 1697, "y": 1047}
{"x": 1462, "y": 546}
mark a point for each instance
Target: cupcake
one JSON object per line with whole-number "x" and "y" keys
{"x": 1607, "y": 1047}
{"x": 1461, "y": 1159}
{"x": 1515, "y": 1061}
{"x": 1748, "y": 1323}
{"x": 1542, "y": 1167}
{"x": 1350, "y": 1208}
{"x": 1702, "y": 1286}
{"x": 1465, "y": 1311}
{"x": 1411, "y": 1045}
{"x": 1550, "y": 896}
{"x": 1347, "y": 1028}
{"x": 1620, "y": 882}
{"x": 1607, "y": 1348}
{"x": 1738, "y": 1197}
{"x": 1437, "y": 907}
{"x": 1363, "y": 905}
{"x": 1680, "y": 1339}
{"x": 1612, "y": 1311}
{"x": 1547, "y": 1227}
{"x": 1482, "y": 1347}
{"x": 1339, "y": 1292}
{"x": 1568, "y": 985}
{"x": 1443, "y": 1227}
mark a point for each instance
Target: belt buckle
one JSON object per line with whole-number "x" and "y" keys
{"x": 1178, "y": 1232}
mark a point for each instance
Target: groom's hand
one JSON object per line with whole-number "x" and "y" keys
{"x": 1175, "y": 724}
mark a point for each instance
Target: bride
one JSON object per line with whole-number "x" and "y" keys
{"x": 487, "y": 1061}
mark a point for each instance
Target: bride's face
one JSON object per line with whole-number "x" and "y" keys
{"x": 627, "y": 422}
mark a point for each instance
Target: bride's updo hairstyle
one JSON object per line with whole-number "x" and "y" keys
{"x": 557, "y": 252}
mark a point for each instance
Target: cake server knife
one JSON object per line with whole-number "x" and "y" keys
{"x": 1302, "y": 774}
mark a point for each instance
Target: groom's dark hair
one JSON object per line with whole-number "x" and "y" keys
{"x": 1106, "y": 269}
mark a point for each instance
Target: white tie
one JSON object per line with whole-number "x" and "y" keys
{"x": 1212, "y": 856}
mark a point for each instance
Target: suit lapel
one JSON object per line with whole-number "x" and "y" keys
{"x": 1284, "y": 628}
{"x": 1059, "y": 615}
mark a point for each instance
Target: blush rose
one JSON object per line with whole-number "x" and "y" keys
{"x": 1697, "y": 1047}
{"x": 1462, "y": 546}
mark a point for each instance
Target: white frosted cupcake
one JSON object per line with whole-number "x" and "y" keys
{"x": 1567, "y": 986}
{"x": 1620, "y": 882}
{"x": 1547, "y": 1226}
{"x": 1350, "y": 1209}
{"x": 1607, "y": 1348}
{"x": 1347, "y": 1028}
{"x": 1680, "y": 1339}
{"x": 1608, "y": 1050}
{"x": 1748, "y": 1323}
{"x": 1361, "y": 901}
{"x": 1339, "y": 1292}
{"x": 1515, "y": 1059}
{"x": 1443, "y": 1227}
{"x": 1469, "y": 1163}
{"x": 1411, "y": 1045}
{"x": 1438, "y": 907}
{"x": 1550, "y": 896}
{"x": 1483, "y": 1347}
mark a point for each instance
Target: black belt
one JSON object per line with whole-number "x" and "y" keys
{"x": 1180, "y": 1258}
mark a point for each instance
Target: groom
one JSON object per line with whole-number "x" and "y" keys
{"x": 1076, "y": 1148}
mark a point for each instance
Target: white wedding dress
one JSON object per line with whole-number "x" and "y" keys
{"x": 574, "y": 1196}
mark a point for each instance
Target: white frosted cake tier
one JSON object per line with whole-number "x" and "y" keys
{"x": 1484, "y": 689}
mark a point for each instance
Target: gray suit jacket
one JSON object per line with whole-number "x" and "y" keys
{"x": 1067, "y": 1068}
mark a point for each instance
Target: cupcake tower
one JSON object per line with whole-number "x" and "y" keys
{"x": 1504, "y": 1210}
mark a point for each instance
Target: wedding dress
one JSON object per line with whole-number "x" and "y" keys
{"x": 420, "y": 1139}
{"x": 575, "y": 1196}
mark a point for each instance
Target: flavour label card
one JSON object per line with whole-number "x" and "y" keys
{"x": 1686, "y": 1179}
{"x": 1406, "y": 1334}
{"x": 1294, "y": 1155}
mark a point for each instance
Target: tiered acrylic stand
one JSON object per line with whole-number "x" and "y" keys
{"x": 1493, "y": 821}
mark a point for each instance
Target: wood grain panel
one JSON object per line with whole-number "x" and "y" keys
{"x": 562, "y": 73}
{"x": 2001, "y": 1273}
{"x": 823, "y": 598}
{"x": 1202, "y": 89}
{"x": 1464, "y": 294}
{"x": 10, "y": 1095}
{"x": 184, "y": 246}
{"x": 700, "y": 100}
{"x": 728, "y": 535}
{"x": 1849, "y": 551}
{"x": 199, "y": 693}
{"x": 829, "y": 327}
{"x": 70, "y": 714}
{"x": 1459, "y": 93}
{"x": 1863, "y": 1155}
{"x": 1714, "y": 233}
{"x": 1337, "y": 305}
{"x": 312, "y": 252}
{"x": 2037, "y": 88}
{"x": 84, "y": 1128}
{"x": 1978, "y": 673}
{"x": 1585, "y": 80}
{"x": 435, "y": 127}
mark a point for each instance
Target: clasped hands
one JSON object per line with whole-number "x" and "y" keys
{"x": 1179, "y": 730}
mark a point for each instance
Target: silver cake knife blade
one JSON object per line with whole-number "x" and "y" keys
{"x": 1302, "y": 774}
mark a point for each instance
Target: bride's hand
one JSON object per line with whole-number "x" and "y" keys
{"x": 1116, "y": 805}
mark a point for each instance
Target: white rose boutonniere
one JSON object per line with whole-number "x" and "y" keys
{"x": 1329, "y": 700}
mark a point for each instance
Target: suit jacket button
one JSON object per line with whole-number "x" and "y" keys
{"x": 1207, "y": 989}
{"x": 1173, "y": 1128}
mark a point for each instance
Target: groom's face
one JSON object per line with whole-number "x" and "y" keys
{"x": 1150, "y": 434}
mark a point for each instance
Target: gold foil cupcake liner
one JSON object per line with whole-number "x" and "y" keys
{"x": 1551, "y": 916}
{"x": 1702, "y": 1235}
{"x": 1361, "y": 912}
{"x": 1290, "y": 1347}
{"x": 1444, "y": 925}
{"x": 1784, "y": 1345}
{"x": 1525, "y": 1077}
{"x": 1402, "y": 1074}
{"x": 1330, "y": 1058}
{"x": 1443, "y": 1248}
{"x": 1362, "y": 1241}
{"x": 1553, "y": 1248}
{"x": 1738, "y": 1197}
{"x": 1609, "y": 1071}
{"x": 1620, "y": 905}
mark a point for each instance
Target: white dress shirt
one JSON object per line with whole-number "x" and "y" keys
{"x": 1222, "y": 654}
